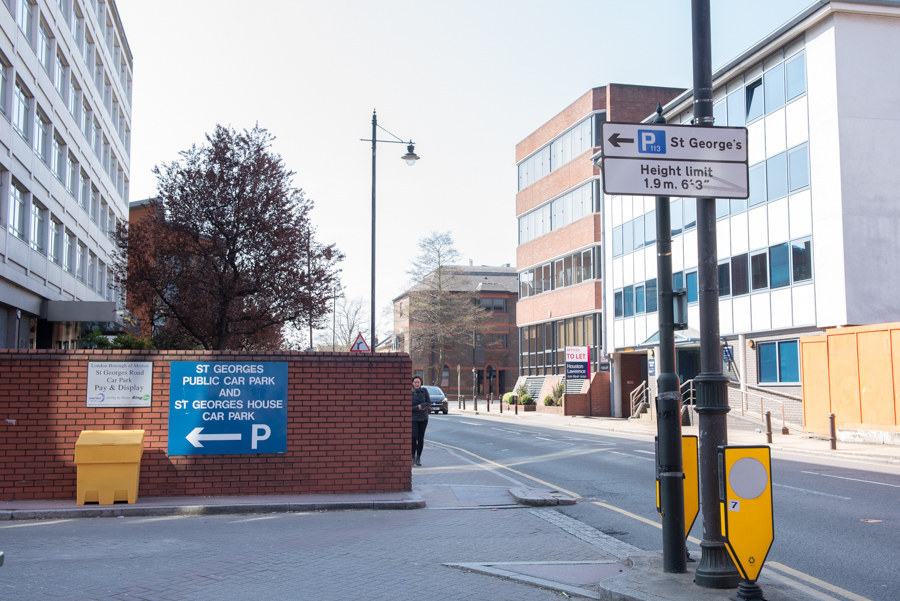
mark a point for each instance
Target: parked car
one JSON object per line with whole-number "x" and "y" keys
{"x": 438, "y": 399}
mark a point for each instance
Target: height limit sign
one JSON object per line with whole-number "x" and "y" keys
{"x": 674, "y": 160}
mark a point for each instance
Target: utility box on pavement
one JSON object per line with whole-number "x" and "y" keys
{"x": 109, "y": 465}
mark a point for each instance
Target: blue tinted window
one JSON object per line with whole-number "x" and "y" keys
{"x": 740, "y": 275}
{"x": 723, "y": 207}
{"x": 692, "y": 293}
{"x": 774, "y": 88}
{"x": 776, "y": 177}
{"x": 754, "y": 96}
{"x": 798, "y": 167}
{"x": 689, "y": 208}
{"x": 735, "y": 102}
{"x": 628, "y": 293}
{"x": 759, "y": 271}
{"x": 639, "y": 306}
{"x": 788, "y": 361}
{"x": 768, "y": 362}
{"x": 757, "y": 181}
{"x": 780, "y": 270}
{"x": 678, "y": 280}
{"x": 651, "y": 295}
{"x": 795, "y": 76}
{"x": 675, "y": 216}
{"x": 619, "y": 307}
{"x": 650, "y": 227}
{"x": 724, "y": 279}
{"x": 801, "y": 260}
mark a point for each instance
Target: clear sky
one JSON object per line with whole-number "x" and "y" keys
{"x": 464, "y": 79}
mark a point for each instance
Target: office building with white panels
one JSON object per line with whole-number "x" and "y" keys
{"x": 816, "y": 243}
{"x": 65, "y": 131}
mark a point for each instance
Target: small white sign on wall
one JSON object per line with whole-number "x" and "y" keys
{"x": 119, "y": 383}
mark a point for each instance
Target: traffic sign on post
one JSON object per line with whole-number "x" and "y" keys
{"x": 221, "y": 408}
{"x": 674, "y": 160}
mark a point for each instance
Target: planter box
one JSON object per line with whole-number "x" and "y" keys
{"x": 529, "y": 407}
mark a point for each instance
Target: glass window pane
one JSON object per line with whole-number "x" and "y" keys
{"x": 675, "y": 216}
{"x": 754, "y": 98}
{"x": 650, "y": 227}
{"x": 735, "y": 102}
{"x": 795, "y": 76}
{"x": 788, "y": 361}
{"x": 651, "y": 295}
{"x": 759, "y": 273}
{"x": 628, "y": 294}
{"x": 639, "y": 306}
{"x": 638, "y": 224}
{"x": 776, "y": 177}
{"x": 627, "y": 238}
{"x": 586, "y": 265}
{"x": 738, "y": 205}
{"x": 692, "y": 293}
{"x": 757, "y": 182}
{"x": 617, "y": 241}
{"x": 720, "y": 113}
{"x": 801, "y": 258}
{"x": 570, "y": 277}
{"x": 768, "y": 362}
{"x": 740, "y": 276}
{"x": 723, "y": 207}
{"x": 724, "y": 279}
{"x": 576, "y": 268}
{"x": 619, "y": 307}
{"x": 678, "y": 280}
{"x": 774, "y": 88}
{"x": 689, "y": 208}
{"x": 560, "y": 273}
{"x": 779, "y": 259}
{"x": 798, "y": 167}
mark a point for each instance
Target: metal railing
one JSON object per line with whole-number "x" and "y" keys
{"x": 755, "y": 391}
{"x": 639, "y": 396}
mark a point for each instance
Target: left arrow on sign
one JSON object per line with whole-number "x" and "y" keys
{"x": 195, "y": 437}
{"x": 615, "y": 139}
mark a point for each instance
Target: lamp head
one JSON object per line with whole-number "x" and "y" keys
{"x": 410, "y": 157}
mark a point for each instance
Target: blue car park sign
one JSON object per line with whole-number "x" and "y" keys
{"x": 226, "y": 408}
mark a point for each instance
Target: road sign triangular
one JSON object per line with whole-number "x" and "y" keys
{"x": 359, "y": 345}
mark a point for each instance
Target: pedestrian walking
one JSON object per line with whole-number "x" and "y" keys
{"x": 421, "y": 407}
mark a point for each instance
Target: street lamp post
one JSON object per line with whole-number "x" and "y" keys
{"x": 410, "y": 157}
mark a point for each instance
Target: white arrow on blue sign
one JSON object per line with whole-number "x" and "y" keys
{"x": 220, "y": 408}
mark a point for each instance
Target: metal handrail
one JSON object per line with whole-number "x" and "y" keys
{"x": 688, "y": 393}
{"x": 638, "y": 396}
{"x": 763, "y": 399}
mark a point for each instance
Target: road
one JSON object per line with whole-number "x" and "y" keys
{"x": 835, "y": 524}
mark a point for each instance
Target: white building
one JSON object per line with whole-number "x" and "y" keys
{"x": 65, "y": 131}
{"x": 817, "y": 243}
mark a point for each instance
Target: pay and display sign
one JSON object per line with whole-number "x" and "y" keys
{"x": 674, "y": 160}
{"x": 220, "y": 408}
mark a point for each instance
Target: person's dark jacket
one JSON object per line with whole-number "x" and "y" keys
{"x": 420, "y": 397}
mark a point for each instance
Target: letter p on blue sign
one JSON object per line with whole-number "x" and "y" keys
{"x": 652, "y": 141}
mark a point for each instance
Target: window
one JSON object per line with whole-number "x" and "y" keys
{"x": 801, "y": 259}
{"x": 757, "y": 183}
{"x": 587, "y": 271}
{"x": 780, "y": 269}
{"x": 689, "y": 209}
{"x": 75, "y": 99}
{"x": 38, "y": 226}
{"x": 101, "y": 283}
{"x": 91, "y": 270}
{"x": 95, "y": 204}
{"x": 55, "y": 251}
{"x": 735, "y": 104}
{"x": 618, "y": 303}
{"x": 84, "y": 191}
{"x": 651, "y": 294}
{"x": 16, "y": 217}
{"x": 491, "y": 304}
{"x": 4, "y": 86}
{"x": 779, "y": 362}
{"x": 776, "y": 177}
{"x": 71, "y": 175}
{"x": 754, "y": 95}
{"x": 692, "y": 291}
{"x": 60, "y": 81}
{"x": 678, "y": 280}
{"x": 774, "y": 88}
{"x": 69, "y": 257}
{"x": 58, "y": 159}
{"x": 723, "y": 207}
{"x": 759, "y": 271}
{"x": 25, "y": 18}
{"x": 617, "y": 241}
{"x": 724, "y": 279}
{"x": 628, "y": 296}
{"x": 45, "y": 46}
{"x": 41, "y": 142}
{"x": 650, "y": 228}
{"x": 675, "y": 216}
{"x": 740, "y": 276}
{"x": 627, "y": 238}
{"x": 80, "y": 261}
{"x": 795, "y": 77}
{"x": 21, "y": 109}
{"x": 639, "y": 300}
{"x": 798, "y": 167}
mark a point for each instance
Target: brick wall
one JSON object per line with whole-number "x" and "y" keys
{"x": 347, "y": 426}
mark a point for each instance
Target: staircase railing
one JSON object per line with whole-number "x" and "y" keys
{"x": 639, "y": 397}
{"x": 758, "y": 393}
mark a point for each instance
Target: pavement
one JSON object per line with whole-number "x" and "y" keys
{"x": 568, "y": 558}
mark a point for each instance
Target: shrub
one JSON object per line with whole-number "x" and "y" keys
{"x": 526, "y": 399}
{"x": 557, "y": 393}
{"x": 509, "y": 397}
{"x": 549, "y": 402}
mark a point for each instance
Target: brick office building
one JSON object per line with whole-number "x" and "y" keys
{"x": 559, "y": 256}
